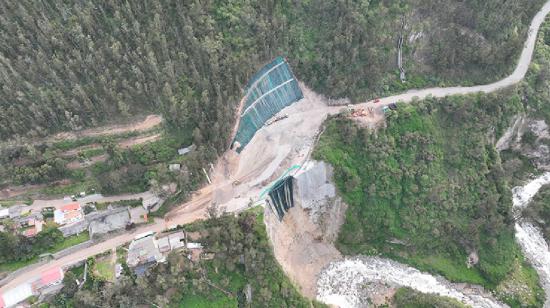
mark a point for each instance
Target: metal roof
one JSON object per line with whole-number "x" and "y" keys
{"x": 16, "y": 295}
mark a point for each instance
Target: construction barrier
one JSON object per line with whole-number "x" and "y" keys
{"x": 270, "y": 90}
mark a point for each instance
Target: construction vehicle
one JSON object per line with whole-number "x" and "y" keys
{"x": 276, "y": 119}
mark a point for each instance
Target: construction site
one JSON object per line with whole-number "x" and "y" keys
{"x": 269, "y": 164}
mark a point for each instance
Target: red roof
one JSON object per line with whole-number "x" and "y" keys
{"x": 70, "y": 207}
{"x": 30, "y": 232}
{"x": 50, "y": 276}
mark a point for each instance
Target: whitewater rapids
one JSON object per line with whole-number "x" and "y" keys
{"x": 342, "y": 282}
{"x": 529, "y": 236}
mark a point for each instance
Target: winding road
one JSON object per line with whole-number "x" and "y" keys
{"x": 196, "y": 208}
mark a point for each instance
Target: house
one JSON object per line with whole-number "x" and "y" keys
{"x": 144, "y": 251}
{"x": 51, "y": 277}
{"x": 31, "y": 225}
{"x": 150, "y": 202}
{"x": 67, "y": 214}
{"x": 16, "y": 295}
{"x": 171, "y": 242}
{"x": 176, "y": 240}
{"x": 4, "y": 213}
{"x": 187, "y": 150}
{"x": 174, "y": 167}
{"x": 48, "y": 278}
{"x": 195, "y": 251}
{"x": 15, "y": 211}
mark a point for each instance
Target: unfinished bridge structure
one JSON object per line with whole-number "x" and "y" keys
{"x": 308, "y": 186}
{"x": 281, "y": 196}
{"x": 270, "y": 90}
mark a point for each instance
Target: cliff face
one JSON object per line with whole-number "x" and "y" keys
{"x": 303, "y": 240}
{"x": 530, "y": 138}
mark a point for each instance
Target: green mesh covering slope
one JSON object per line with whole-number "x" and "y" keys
{"x": 270, "y": 90}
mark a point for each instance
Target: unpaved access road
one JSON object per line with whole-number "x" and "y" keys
{"x": 298, "y": 132}
{"x": 149, "y": 122}
{"x": 38, "y": 205}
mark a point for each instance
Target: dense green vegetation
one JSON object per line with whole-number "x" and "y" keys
{"x": 539, "y": 211}
{"x": 431, "y": 179}
{"x": 18, "y": 251}
{"x": 409, "y": 298}
{"x": 243, "y": 258}
{"x": 72, "y": 64}
{"x": 429, "y": 188}
{"x": 537, "y": 81}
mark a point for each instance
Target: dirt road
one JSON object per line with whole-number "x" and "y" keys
{"x": 149, "y": 122}
{"x": 297, "y": 132}
{"x": 37, "y": 205}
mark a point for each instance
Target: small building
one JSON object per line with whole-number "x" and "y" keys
{"x": 4, "y": 213}
{"x": 144, "y": 251}
{"x": 15, "y": 211}
{"x": 151, "y": 202}
{"x": 107, "y": 221}
{"x": 176, "y": 240}
{"x": 138, "y": 215}
{"x": 31, "y": 225}
{"x": 187, "y": 150}
{"x": 48, "y": 278}
{"x": 51, "y": 277}
{"x": 69, "y": 213}
{"x": 194, "y": 246}
{"x": 171, "y": 242}
{"x": 174, "y": 167}
{"x": 164, "y": 244}
{"x": 16, "y": 295}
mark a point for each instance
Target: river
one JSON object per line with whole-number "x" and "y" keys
{"x": 529, "y": 236}
{"x": 342, "y": 282}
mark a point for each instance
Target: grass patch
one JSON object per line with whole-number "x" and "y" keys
{"x": 62, "y": 190}
{"x": 216, "y": 299}
{"x": 105, "y": 270}
{"x": 66, "y": 243}
{"x": 449, "y": 267}
{"x": 521, "y": 287}
{"x": 409, "y": 298}
{"x": 13, "y": 266}
{"x": 70, "y": 241}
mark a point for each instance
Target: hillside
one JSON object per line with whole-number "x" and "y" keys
{"x": 429, "y": 190}
{"x": 66, "y": 65}
{"x": 243, "y": 273}
{"x": 427, "y": 187}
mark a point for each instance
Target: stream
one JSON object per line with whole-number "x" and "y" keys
{"x": 343, "y": 283}
{"x": 529, "y": 236}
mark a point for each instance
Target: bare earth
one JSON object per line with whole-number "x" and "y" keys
{"x": 293, "y": 137}
{"x": 149, "y": 122}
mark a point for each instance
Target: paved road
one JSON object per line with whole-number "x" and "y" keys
{"x": 514, "y": 78}
{"x": 196, "y": 209}
{"x": 37, "y": 205}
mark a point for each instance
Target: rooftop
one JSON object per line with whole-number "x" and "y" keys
{"x": 50, "y": 276}
{"x": 70, "y": 207}
{"x": 144, "y": 250}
